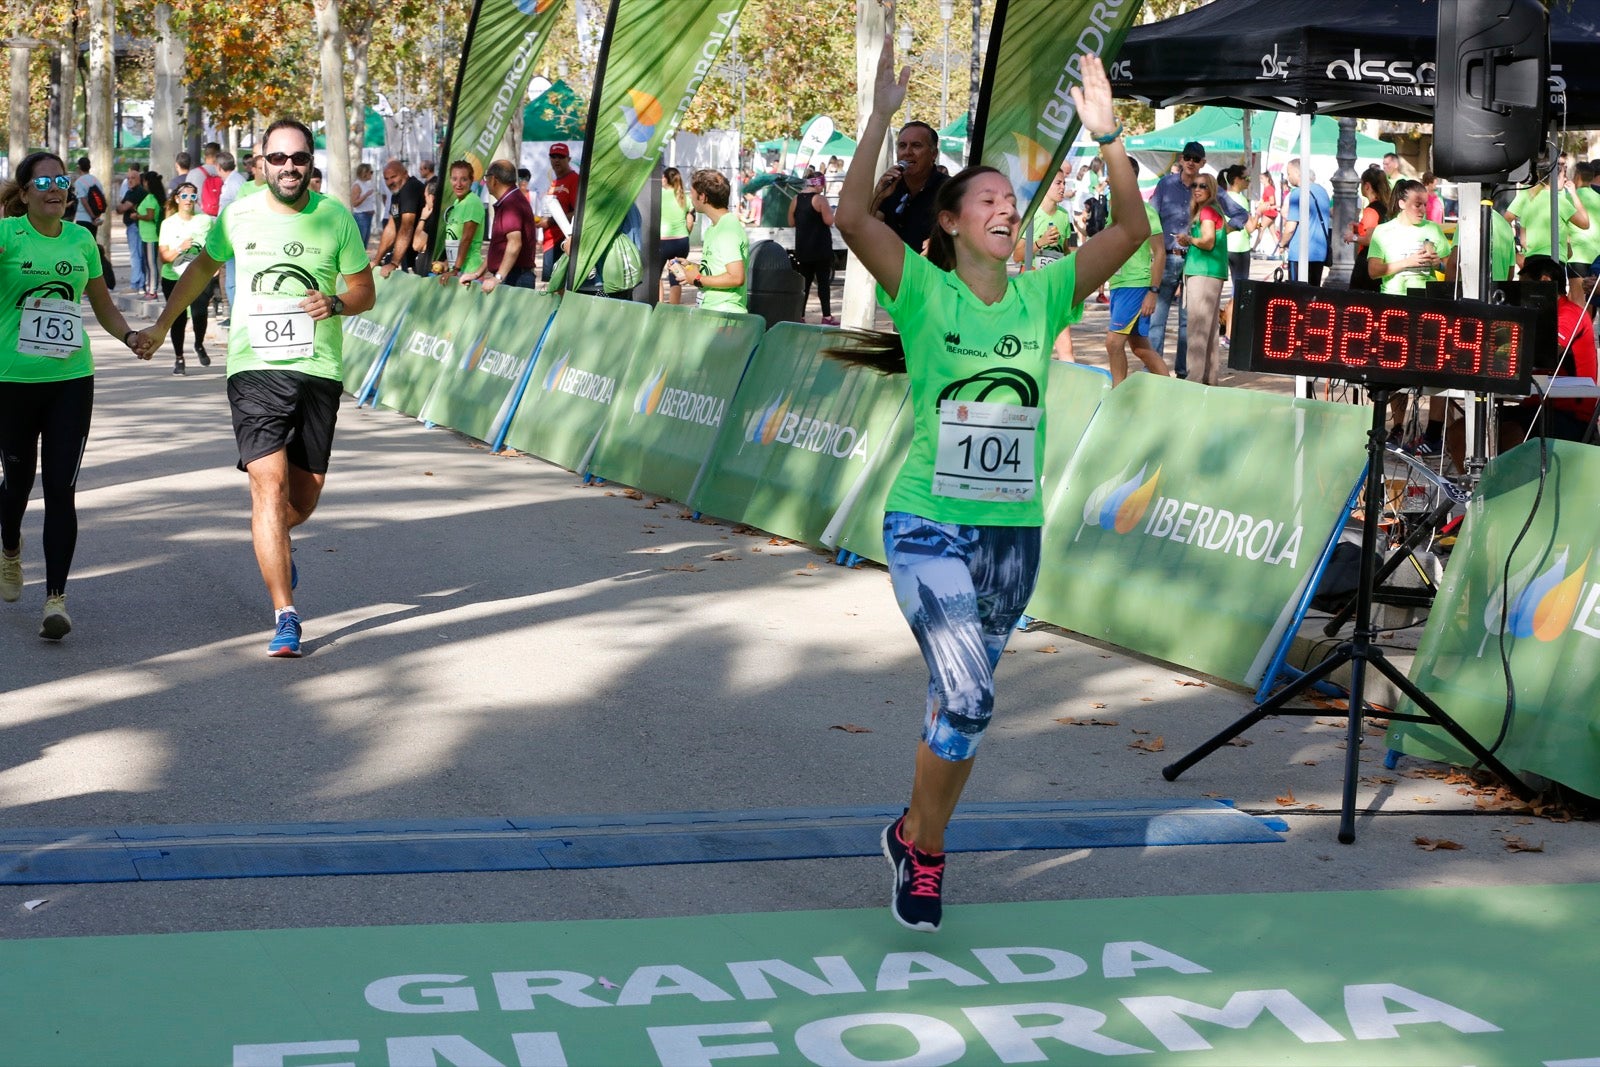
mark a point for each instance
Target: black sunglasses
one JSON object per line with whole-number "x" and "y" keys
{"x": 299, "y": 159}
{"x": 1194, "y": 159}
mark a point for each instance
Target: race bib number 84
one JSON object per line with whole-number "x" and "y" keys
{"x": 52, "y": 328}
{"x": 986, "y": 451}
{"x": 280, "y": 330}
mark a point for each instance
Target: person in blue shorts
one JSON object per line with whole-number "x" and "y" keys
{"x": 1135, "y": 288}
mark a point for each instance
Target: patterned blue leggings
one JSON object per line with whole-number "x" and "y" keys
{"x": 962, "y": 589}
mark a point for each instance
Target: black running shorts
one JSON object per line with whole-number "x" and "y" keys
{"x": 284, "y": 409}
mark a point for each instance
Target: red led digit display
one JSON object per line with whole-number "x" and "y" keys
{"x": 1300, "y": 329}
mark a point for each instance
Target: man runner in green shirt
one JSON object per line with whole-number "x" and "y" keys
{"x": 721, "y": 274}
{"x": 292, "y": 246}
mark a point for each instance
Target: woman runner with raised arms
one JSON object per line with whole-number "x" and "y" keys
{"x": 962, "y": 528}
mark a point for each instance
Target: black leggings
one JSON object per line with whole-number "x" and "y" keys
{"x": 54, "y": 415}
{"x": 822, "y": 271}
{"x": 198, "y": 312}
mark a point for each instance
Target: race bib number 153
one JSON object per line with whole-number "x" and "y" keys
{"x": 52, "y": 328}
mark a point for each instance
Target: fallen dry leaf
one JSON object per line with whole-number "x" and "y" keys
{"x": 1147, "y": 700}
{"x": 1287, "y": 800}
{"x": 1378, "y": 779}
{"x": 1048, "y": 649}
{"x": 683, "y": 567}
{"x": 1239, "y": 742}
{"x": 1308, "y": 763}
{"x": 806, "y": 574}
{"x": 610, "y": 493}
{"x": 631, "y": 494}
{"x": 851, "y": 728}
{"x": 723, "y": 557}
{"x": 647, "y": 507}
{"x": 1190, "y": 681}
{"x": 755, "y": 548}
{"x": 1139, "y": 731}
{"x": 1097, "y": 705}
{"x": 1425, "y": 800}
{"x": 1070, "y": 721}
{"x": 427, "y": 474}
{"x": 1437, "y": 844}
{"x": 1155, "y": 744}
{"x": 1517, "y": 844}
{"x": 1212, "y": 796}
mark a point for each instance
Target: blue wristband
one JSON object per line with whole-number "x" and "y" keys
{"x": 1108, "y": 138}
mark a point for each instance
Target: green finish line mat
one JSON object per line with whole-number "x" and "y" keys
{"x": 1495, "y": 977}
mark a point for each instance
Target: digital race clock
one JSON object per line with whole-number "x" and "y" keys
{"x": 1285, "y": 328}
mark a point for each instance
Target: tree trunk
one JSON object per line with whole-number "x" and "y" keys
{"x": 102, "y": 100}
{"x": 359, "y": 40}
{"x": 336, "y": 122}
{"x": 21, "y": 49}
{"x": 64, "y": 76}
{"x": 165, "y": 134}
{"x": 860, "y": 299}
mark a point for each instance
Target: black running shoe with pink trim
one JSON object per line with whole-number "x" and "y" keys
{"x": 918, "y": 880}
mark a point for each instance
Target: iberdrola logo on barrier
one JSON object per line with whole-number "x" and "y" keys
{"x": 1026, "y": 167}
{"x": 1542, "y": 607}
{"x": 475, "y": 353}
{"x": 553, "y": 378}
{"x": 639, "y": 120}
{"x": 767, "y": 421}
{"x": 1120, "y": 503}
{"x": 534, "y": 7}
{"x": 649, "y": 397}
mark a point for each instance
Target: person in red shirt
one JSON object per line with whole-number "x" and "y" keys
{"x": 564, "y": 187}
{"x": 510, "y": 254}
{"x": 1566, "y": 418}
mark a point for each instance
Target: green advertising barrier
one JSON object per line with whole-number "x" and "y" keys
{"x": 368, "y": 335}
{"x": 1500, "y": 976}
{"x": 858, "y": 524}
{"x": 674, "y": 397}
{"x": 800, "y": 431}
{"x": 1547, "y": 612}
{"x": 440, "y": 326}
{"x": 1192, "y": 518}
{"x": 474, "y": 392}
{"x": 583, "y": 358}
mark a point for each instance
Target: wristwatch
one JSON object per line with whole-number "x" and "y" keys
{"x": 336, "y": 305}
{"x": 1156, "y": 289}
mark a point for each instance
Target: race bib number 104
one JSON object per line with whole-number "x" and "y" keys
{"x": 986, "y": 451}
{"x": 280, "y": 330}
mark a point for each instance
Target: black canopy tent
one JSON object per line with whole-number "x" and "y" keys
{"x": 1363, "y": 58}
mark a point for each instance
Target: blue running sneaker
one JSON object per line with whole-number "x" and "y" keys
{"x": 286, "y": 641}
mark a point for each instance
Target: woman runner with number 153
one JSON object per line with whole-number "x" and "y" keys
{"x": 46, "y": 371}
{"x": 962, "y": 528}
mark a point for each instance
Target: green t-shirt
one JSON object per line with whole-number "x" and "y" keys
{"x": 1586, "y": 243}
{"x": 1135, "y": 273}
{"x": 977, "y": 461}
{"x": 1203, "y": 263}
{"x": 250, "y": 188}
{"x": 723, "y": 243}
{"x": 173, "y": 230}
{"x": 1239, "y": 240}
{"x": 468, "y": 209}
{"x": 42, "y": 279}
{"x": 1502, "y": 247}
{"x": 150, "y": 229}
{"x": 1398, "y": 239}
{"x": 1061, "y": 219}
{"x": 674, "y": 216}
{"x": 278, "y": 258}
{"x": 1532, "y": 211}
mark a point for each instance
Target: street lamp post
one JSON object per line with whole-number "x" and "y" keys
{"x": 947, "y": 11}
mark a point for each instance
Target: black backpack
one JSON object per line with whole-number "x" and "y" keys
{"x": 1095, "y": 210}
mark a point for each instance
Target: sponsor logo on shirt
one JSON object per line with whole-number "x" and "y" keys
{"x": 63, "y": 268}
{"x": 48, "y": 291}
{"x": 294, "y": 248}
{"x": 1010, "y": 347}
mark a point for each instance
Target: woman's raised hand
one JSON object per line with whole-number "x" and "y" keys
{"x": 1093, "y": 99}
